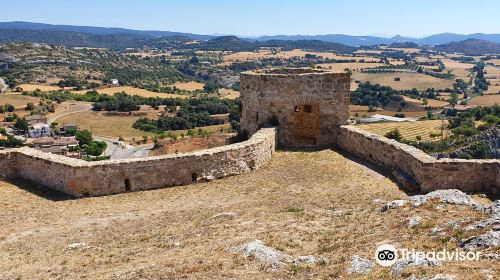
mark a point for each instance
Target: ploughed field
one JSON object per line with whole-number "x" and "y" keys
{"x": 315, "y": 203}
{"x": 410, "y": 130}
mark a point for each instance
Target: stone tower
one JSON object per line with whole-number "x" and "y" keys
{"x": 307, "y": 105}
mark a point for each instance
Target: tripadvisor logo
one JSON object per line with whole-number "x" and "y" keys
{"x": 387, "y": 255}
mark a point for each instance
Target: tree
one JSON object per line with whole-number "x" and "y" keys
{"x": 29, "y": 106}
{"x": 95, "y": 148}
{"x": 84, "y": 137}
{"x": 21, "y": 124}
{"x": 210, "y": 87}
{"x": 9, "y": 107}
{"x": 394, "y": 134}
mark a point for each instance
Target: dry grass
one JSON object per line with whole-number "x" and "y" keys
{"x": 109, "y": 90}
{"x": 115, "y": 126}
{"x": 485, "y": 100}
{"x": 409, "y": 130}
{"x": 353, "y": 66}
{"x": 430, "y": 102}
{"x": 104, "y": 125}
{"x": 246, "y": 56}
{"x": 360, "y": 111}
{"x": 33, "y": 87}
{"x": 135, "y": 91}
{"x": 229, "y": 93}
{"x": 189, "y": 86}
{"x": 169, "y": 233}
{"x": 408, "y": 80}
{"x": 17, "y": 100}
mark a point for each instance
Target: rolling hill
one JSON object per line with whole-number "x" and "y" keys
{"x": 470, "y": 47}
{"x": 16, "y": 31}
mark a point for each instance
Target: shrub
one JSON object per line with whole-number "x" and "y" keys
{"x": 394, "y": 134}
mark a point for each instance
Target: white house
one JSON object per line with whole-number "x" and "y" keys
{"x": 114, "y": 82}
{"x": 38, "y": 130}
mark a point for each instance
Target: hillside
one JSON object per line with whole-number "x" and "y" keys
{"x": 42, "y": 63}
{"x": 470, "y": 47}
{"x": 24, "y": 29}
{"x": 22, "y": 25}
{"x": 318, "y": 204}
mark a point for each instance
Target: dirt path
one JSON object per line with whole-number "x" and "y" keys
{"x": 70, "y": 108}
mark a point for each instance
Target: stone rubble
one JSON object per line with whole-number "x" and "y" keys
{"x": 414, "y": 221}
{"x": 490, "y": 239}
{"x": 393, "y": 205}
{"x": 399, "y": 266}
{"x": 273, "y": 258}
{"x": 360, "y": 265}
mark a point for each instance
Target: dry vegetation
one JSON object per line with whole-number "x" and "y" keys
{"x": 120, "y": 124}
{"x": 17, "y": 100}
{"x": 485, "y": 100}
{"x": 408, "y": 80}
{"x": 324, "y": 207}
{"x": 409, "y": 130}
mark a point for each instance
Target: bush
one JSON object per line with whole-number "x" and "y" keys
{"x": 21, "y": 124}
{"x": 95, "y": 148}
{"x": 394, "y": 134}
{"x": 29, "y": 106}
{"x": 84, "y": 137}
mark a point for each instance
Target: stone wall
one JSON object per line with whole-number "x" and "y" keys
{"x": 280, "y": 94}
{"x": 79, "y": 178}
{"x": 427, "y": 172}
{"x": 7, "y": 164}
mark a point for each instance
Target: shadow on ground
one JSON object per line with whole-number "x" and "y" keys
{"x": 41, "y": 191}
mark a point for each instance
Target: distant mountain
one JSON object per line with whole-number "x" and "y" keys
{"x": 26, "y": 29}
{"x": 332, "y": 38}
{"x": 444, "y": 38}
{"x": 470, "y": 47}
{"x": 22, "y": 25}
{"x": 372, "y": 40}
{"x": 76, "y": 39}
{"x": 404, "y": 45}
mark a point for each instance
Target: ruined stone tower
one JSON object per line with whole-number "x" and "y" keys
{"x": 307, "y": 105}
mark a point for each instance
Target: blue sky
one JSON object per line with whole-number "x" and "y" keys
{"x": 267, "y": 17}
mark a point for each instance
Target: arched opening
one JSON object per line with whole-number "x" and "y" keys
{"x": 305, "y": 124}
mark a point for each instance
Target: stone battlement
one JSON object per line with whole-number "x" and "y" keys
{"x": 307, "y": 105}
{"x": 414, "y": 165}
{"x": 79, "y": 178}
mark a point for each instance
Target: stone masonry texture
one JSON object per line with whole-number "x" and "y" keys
{"x": 307, "y": 105}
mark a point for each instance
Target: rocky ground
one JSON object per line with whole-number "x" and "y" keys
{"x": 309, "y": 215}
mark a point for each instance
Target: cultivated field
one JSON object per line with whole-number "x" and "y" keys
{"x": 109, "y": 90}
{"x": 17, "y": 100}
{"x": 189, "y": 86}
{"x": 361, "y": 111}
{"x": 229, "y": 93}
{"x": 408, "y": 80}
{"x": 247, "y": 56}
{"x": 409, "y": 130}
{"x": 114, "y": 126}
{"x": 107, "y": 125}
{"x": 33, "y": 87}
{"x": 353, "y": 66}
{"x": 317, "y": 203}
{"x": 430, "y": 102}
{"x": 485, "y": 100}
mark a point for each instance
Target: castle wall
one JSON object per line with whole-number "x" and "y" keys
{"x": 269, "y": 94}
{"x": 79, "y": 178}
{"x": 7, "y": 164}
{"x": 428, "y": 172}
